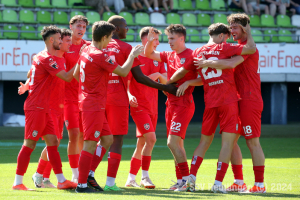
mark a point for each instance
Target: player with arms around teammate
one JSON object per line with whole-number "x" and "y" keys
{"x": 39, "y": 122}
{"x": 180, "y": 110}
{"x": 143, "y": 107}
{"x": 78, "y": 25}
{"x": 247, "y": 79}
{"x": 94, "y": 69}
{"x": 220, "y": 98}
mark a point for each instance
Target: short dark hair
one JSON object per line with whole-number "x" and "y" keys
{"x": 78, "y": 18}
{"x": 102, "y": 28}
{"x": 48, "y": 31}
{"x": 240, "y": 18}
{"x": 65, "y": 32}
{"x": 144, "y": 31}
{"x": 176, "y": 28}
{"x": 218, "y": 28}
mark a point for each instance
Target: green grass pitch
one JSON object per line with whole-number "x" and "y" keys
{"x": 282, "y": 173}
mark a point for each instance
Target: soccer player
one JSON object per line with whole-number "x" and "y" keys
{"x": 117, "y": 106}
{"x": 220, "y": 96}
{"x": 78, "y": 25}
{"x": 94, "y": 69}
{"x": 247, "y": 79}
{"x": 143, "y": 107}
{"x": 39, "y": 122}
{"x": 180, "y": 110}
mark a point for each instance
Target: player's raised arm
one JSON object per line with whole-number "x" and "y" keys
{"x": 218, "y": 64}
{"x": 250, "y": 47}
{"x": 124, "y": 70}
{"x": 194, "y": 82}
{"x": 149, "y": 51}
{"x": 179, "y": 74}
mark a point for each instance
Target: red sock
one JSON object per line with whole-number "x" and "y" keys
{"x": 146, "y": 160}
{"x": 184, "y": 168}
{"x": 23, "y": 160}
{"x": 84, "y": 167}
{"x": 259, "y": 173}
{"x": 178, "y": 173}
{"x": 41, "y": 166}
{"x": 221, "y": 171}
{"x": 237, "y": 171}
{"x": 114, "y": 160}
{"x": 135, "y": 165}
{"x": 47, "y": 170}
{"x": 196, "y": 162}
{"x": 73, "y": 160}
{"x": 97, "y": 158}
{"x": 54, "y": 159}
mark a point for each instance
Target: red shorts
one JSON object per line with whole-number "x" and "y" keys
{"x": 94, "y": 125}
{"x": 71, "y": 112}
{"x": 58, "y": 121}
{"x": 227, "y": 116}
{"x": 117, "y": 118}
{"x": 145, "y": 123}
{"x": 250, "y": 115}
{"x": 178, "y": 119}
{"x": 38, "y": 124}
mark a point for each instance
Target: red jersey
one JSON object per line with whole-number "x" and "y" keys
{"x": 117, "y": 86}
{"x": 247, "y": 78}
{"x": 147, "y": 97}
{"x": 43, "y": 71}
{"x": 174, "y": 62}
{"x": 71, "y": 59}
{"x": 57, "y": 95}
{"x": 219, "y": 85}
{"x": 95, "y": 66}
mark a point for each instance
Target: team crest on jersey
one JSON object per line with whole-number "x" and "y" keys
{"x": 110, "y": 61}
{"x": 34, "y": 133}
{"x": 50, "y": 59}
{"x": 53, "y": 65}
{"x": 147, "y": 126}
{"x": 155, "y": 63}
{"x": 97, "y": 133}
{"x": 182, "y": 61}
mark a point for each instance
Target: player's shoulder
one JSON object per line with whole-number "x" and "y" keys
{"x": 85, "y": 42}
{"x": 44, "y": 57}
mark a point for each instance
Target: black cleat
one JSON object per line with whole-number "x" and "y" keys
{"x": 92, "y": 183}
{"x": 85, "y": 190}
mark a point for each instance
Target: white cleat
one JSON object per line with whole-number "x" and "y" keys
{"x": 218, "y": 189}
{"x": 38, "y": 181}
{"x": 182, "y": 187}
{"x": 147, "y": 183}
{"x": 132, "y": 183}
{"x": 190, "y": 185}
{"x": 174, "y": 187}
{"x": 48, "y": 184}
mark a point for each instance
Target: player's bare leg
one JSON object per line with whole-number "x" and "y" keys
{"x": 80, "y": 142}
{"x": 258, "y": 160}
{"x": 150, "y": 140}
{"x": 73, "y": 151}
{"x": 135, "y": 163}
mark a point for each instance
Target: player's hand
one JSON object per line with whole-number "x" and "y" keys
{"x": 154, "y": 76}
{"x": 22, "y": 88}
{"x": 81, "y": 49}
{"x": 151, "y": 34}
{"x": 200, "y": 62}
{"x": 171, "y": 88}
{"x": 181, "y": 89}
{"x": 132, "y": 101}
{"x": 137, "y": 50}
{"x": 246, "y": 29}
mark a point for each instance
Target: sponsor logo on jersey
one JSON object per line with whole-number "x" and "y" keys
{"x": 110, "y": 61}
{"x": 142, "y": 65}
{"x": 182, "y": 61}
{"x": 171, "y": 60}
{"x": 34, "y": 133}
{"x": 155, "y": 63}
{"x": 147, "y": 126}
{"x": 67, "y": 123}
{"x": 71, "y": 52}
{"x": 97, "y": 133}
{"x": 53, "y": 65}
{"x": 219, "y": 165}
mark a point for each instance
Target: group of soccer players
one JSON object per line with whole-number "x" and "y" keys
{"x": 107, "y": 75}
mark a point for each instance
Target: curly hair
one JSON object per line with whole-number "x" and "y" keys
{"x": 218, "y": 28}
{"x": 48, "y": 31}
{"x": 240, "y": 18}
{"x": 78, "y": 18}
{"x": 65, "y": 32}
{"x": 176, "y": 28}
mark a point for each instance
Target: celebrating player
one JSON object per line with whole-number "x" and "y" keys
{"x": 39, "y": 122}
{"x": 220, "y": 98}
{"x": 95, "y": 66}
{"x": 143, "y": 106}
{"x": 247, "y": 79}
{"x": 180, "y": 110}
{"x": 78, "y": 25}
